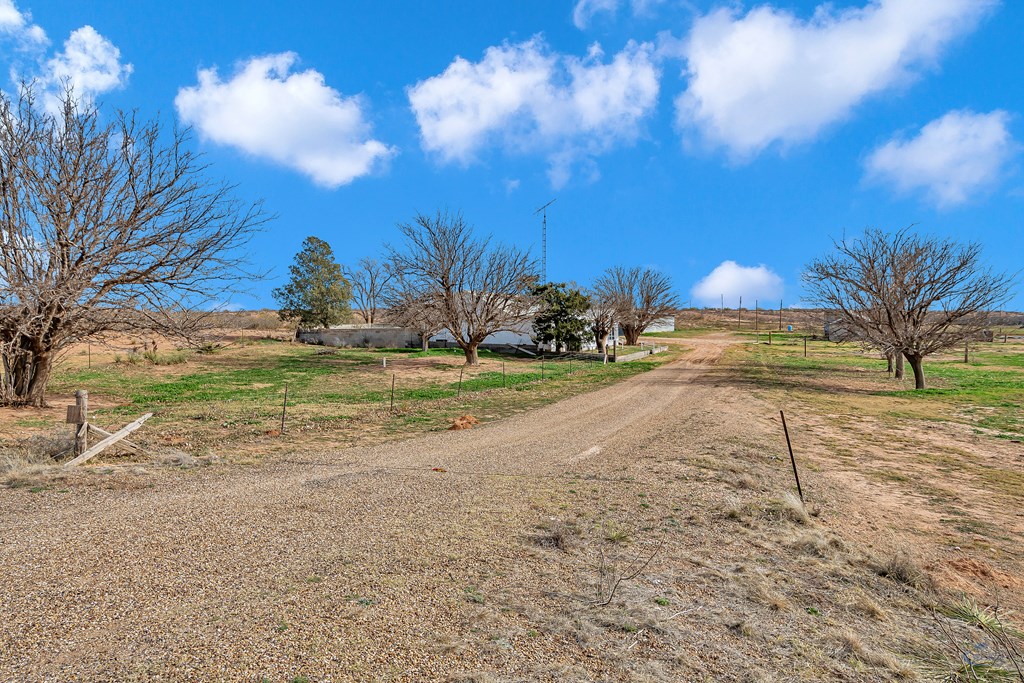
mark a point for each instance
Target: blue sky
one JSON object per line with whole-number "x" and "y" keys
{"x": 724, "y": 143}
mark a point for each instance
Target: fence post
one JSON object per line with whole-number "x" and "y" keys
{"x": 502, "y": 374}
{"x": 805, "y": 346}
{"x": 392, "y": 391}
{"x": 461, "y": 370}
{"x": 792, "y": 459}
{"x": 284, "y": 408}
{"x": 82, "y": 433}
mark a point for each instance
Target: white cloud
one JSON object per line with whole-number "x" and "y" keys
{"x": 294, "y": 119}
{"x": 734, "y": 281}
{"x": 90, "y": 63}
{"x": 585, "y": 10}
{"x": 526, "y": 99}
{"x": 19, "y": 25}
{"x": 952, "y": 158}
{"x": 768, "y": 76}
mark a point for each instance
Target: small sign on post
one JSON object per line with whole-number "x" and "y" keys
{"x": 75, "y": 416}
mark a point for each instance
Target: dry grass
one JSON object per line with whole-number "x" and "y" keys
{"x": 902, "y": 566}
{"x": 852, "y": 644}
{"x": 25, "y": 459}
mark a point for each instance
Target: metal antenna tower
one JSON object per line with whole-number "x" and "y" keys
{"x": 544, "y": 238}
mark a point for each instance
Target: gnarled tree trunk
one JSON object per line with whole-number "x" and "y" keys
{"x": 26, "y": 373}
{"x": 632, "y": 334}
{"x": 900, "y": 372}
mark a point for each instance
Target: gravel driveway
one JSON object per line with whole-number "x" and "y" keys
{"x": 439, "y": 558}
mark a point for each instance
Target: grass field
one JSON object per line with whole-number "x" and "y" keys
{"x": 942, "y": 466}
{"x": 987, "y": 393}
{"x": 229, "y": 404}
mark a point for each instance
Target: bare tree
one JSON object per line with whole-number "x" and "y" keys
{"x": 477, "y": 288}
{"x": 369, "y": 279}
{"x": 907, "y": 294}
{"x": 640, "y": 296}
{"x": 600, "y": 316}
{"x": 409, "y": 307}
{"x": 105, "y": 227}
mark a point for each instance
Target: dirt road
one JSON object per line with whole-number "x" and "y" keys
{"x": 473, "y": 555}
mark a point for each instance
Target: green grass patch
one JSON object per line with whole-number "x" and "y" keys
{"x": 218, "y": 403}
{"x": 987, "y": 392}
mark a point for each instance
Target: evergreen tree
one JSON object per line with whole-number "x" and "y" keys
{"x": 317, "y": 294}
{"x": 562, "y": 316}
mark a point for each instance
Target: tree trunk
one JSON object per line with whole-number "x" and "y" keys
{"x": 889, "y": 360}
{"x": 916, "y": 363}
{"x": 424, "y": 341}
{"x": 632, "y": 334}
{"x": 26, "y": 377}
{"x": 472, "y": 353}
{"x": 602, "y": 342}
{"x": 899, "y": 365}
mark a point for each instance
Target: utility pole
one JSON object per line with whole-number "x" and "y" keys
{"x": 544, "y": 239}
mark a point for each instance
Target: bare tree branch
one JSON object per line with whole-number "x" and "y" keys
{"x": 105, "y": 227}
{"x": 369, "y": 280}
{"x": 907, "y": 294}
{"x": 476, "y": 288}
{"x": 639, "y": 297}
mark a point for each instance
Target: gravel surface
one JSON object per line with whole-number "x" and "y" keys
{"x": 469, "y": 555}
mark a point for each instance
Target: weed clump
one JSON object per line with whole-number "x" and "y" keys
{"x": 903, "y": 568}
{"x": 788, "y": 508}
{"x": 814, "y": 543}
{"x": 172, "y": 358}
{"x": 558, "y": 535}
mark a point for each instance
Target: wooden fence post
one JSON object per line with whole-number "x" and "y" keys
{"x": 284, "y": 408}
{"x": 82, "y": 428}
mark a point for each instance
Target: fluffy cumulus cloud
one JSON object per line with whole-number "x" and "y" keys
{"x": 951, "y": 158}
{"x": 527, "y": 99}
{"x": 290, "y": 117}
{"x": 768, "y": 76}
{"x": 90, "y": 63}
{"x": 18, "y": 25}
{"x": 733, "y": 281}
